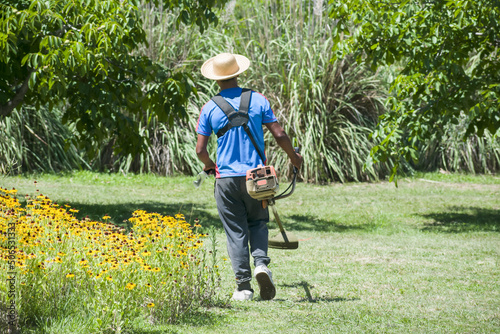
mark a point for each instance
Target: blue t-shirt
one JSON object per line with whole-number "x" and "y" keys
{"x": 235, "y": 152}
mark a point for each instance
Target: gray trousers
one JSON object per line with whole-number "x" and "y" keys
{"x": 244, "y": 221}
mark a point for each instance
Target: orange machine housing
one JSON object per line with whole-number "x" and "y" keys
{"x": 262, "y": 183}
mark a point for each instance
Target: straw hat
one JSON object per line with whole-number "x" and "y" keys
{"x": 225, "y": 66}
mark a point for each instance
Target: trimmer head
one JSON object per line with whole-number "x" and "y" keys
{"x": 284, "y": 240}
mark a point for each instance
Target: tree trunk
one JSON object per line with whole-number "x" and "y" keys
{"x": 6, "y": 110}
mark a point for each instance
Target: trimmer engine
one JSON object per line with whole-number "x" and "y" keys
{"x": 262, "y": 183}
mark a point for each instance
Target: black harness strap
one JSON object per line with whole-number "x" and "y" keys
{"x": 237, "y": 118}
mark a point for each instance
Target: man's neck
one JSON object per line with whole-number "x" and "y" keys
{"x": 233, "y": 83}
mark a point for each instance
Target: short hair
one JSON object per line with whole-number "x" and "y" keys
{"x": 227, "y": 80}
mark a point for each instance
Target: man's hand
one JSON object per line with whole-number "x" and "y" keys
{"x": 297, "y": 160}
{"x": 210, "y": 170}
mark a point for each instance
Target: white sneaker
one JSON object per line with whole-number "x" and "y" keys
{"x": 265, "y": 279}
{"x": 242, "y": 295}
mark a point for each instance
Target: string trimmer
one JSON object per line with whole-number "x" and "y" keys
{"x": 262, "y": 184}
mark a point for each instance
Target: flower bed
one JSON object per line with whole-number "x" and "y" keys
{"x": 53, "y": 265}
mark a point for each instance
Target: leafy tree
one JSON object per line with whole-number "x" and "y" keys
{"x": 447, "y": 59}
{"x": 81, "y": 54}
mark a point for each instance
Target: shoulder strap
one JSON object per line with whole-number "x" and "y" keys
{"x": 237, "y": 118}
{"x": 249, "y": 133}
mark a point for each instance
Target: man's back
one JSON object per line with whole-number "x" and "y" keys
{"x": 236, "y": 152}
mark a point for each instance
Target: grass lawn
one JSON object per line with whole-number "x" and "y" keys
{"x": 423, "y": 257}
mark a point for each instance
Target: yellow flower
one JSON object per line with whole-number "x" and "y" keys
{"x": 150, "y": 305}
{"x": 70, "y": 275}
{"x": 109, "y": 278}
{"x": 73, "y": 210}
{"x": 130, "y": 286}
{"x": 106, "y": 217}
{"x": 156, "y": 269}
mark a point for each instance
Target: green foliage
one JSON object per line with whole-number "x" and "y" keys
{"x": 191, "y": 12}
{"x": 448, "y": 53}
{"x": 82, "y": 53}
{"x": 331, "y": 107}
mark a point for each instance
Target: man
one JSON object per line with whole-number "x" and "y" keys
{"x": 244, "y": 218}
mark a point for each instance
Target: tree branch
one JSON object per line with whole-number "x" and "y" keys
{"x": 6, "y": 110}
{"x": 63, "y": 30}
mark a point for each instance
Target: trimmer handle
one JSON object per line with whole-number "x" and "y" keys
{"x": 289, "y": 191}
{"x": 295, "y": 169}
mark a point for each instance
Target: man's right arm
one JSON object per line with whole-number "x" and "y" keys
{"x": 202, "y": 153}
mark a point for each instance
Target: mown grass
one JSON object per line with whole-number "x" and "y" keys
{"x": 423, "y": 257}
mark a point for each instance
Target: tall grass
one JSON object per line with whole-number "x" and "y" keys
{"x": 34, "y": 139}
{"x": 452, "y": 153}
